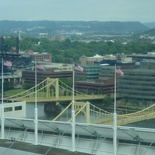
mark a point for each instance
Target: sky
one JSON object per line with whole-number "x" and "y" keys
{"x": 78, "y": 10}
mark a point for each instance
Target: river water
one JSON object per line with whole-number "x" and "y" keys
{"x": 30, "y": 110}
{"x": 41, "y": 111}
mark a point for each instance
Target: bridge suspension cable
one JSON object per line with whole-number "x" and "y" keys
{"x": 51, "y": 90}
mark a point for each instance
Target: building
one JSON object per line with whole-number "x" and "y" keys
{"x": 90, "y": 60}
{"x": 43, "y": 57}
{"x": 138, "y": 84}
{"x": 58, "y": 38}
{"x": 138, "y": 81}
{"x": 90, "y": 72}
{"x": 107, "y": 72}
{"x": 95, "y": 87}
{"x": 52, "y": 70}
{"x": 29, "y": 75}
{"x": 96, "y": 79}
{"x": 140, "y": 57}
{"x": 15, "y": 79}
{"x": 14, "y": 109}
{"x": 57, "y": 67}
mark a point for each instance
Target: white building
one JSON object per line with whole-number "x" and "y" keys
{"x": 14, "y": 109}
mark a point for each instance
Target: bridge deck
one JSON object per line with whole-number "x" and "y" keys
{"x": 61, "y": 98}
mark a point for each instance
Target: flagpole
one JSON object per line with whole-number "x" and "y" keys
{"x": 36, "y": 108}
{"x": 73, "y": 114}
{"x": 115, "y": 118}
{"x": 2, "y": 107}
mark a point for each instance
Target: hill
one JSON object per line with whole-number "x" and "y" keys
{"x": 150, "y": 25}
{"x": 150, "y": 32}
{"x": 71, "y": 27}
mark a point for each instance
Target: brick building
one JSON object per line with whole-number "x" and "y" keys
{"x": 29, "y": 76}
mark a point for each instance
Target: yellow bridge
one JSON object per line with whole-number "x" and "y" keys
{"x": 88, "y": 113}
{"x": 51, "y": 90}
{"x": 54, "y": 90}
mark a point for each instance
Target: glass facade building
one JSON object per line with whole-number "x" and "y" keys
{"x": 137, "y": 84}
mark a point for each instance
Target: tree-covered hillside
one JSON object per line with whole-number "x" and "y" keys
{"x": 150, "y": 25}
{"x": 150, "y": 32}
{"x": 68, "y": 51}
{"x": 62, "y": 27}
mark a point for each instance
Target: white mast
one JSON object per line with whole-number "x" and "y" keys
{"x": 2, "y": 107}
{"x": 36, "y": 108}
{"x": 115, "y": 118}
{"x": 73, "y": 115}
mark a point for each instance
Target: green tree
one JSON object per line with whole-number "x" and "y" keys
{"x": 108, "y": 100}
{"x": 7, "y": 85}
{"x": 27, "y": 85}
{"x": 68, "y": 51}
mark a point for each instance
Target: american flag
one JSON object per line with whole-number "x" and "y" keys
{"x": 118, "y": 71}
{"x": 78, "y": 68}
{"x": 40, "y": 67}
{"x": 8, "y": 63}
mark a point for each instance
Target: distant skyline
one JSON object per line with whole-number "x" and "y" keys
{"x": 78, "y": 10}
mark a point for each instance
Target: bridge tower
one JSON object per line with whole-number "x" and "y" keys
{"x": 84, "y": 108}
{"x": 53, "y": 90}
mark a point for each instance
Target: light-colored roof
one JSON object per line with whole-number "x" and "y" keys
{"x": 91, "y": 138}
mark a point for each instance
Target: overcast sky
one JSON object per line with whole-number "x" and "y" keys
{"x": 78, "y": 10}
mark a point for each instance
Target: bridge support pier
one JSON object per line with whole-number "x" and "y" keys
{"x": 57, "y": 103}
{"x": 52, "y": 108}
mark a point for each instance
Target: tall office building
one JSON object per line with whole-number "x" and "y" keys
{"x": 137, "y": 84}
